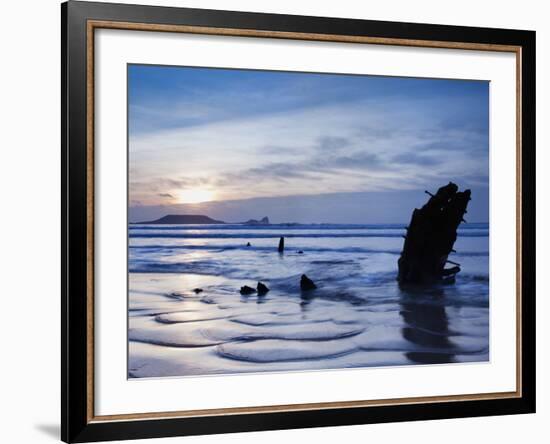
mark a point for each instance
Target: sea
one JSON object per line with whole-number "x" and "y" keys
{"x": 357, "y": 317}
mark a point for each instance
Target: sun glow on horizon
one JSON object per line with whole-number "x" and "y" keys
{"x": 195, "y": 196}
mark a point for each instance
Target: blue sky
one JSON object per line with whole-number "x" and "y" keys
{"x": 301, "y": 147}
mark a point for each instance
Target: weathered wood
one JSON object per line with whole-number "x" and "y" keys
{"x": 430, "y": 237}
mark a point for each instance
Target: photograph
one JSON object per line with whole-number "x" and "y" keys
{"x": 301, "y": 221}
{"x": 291, "y": 219}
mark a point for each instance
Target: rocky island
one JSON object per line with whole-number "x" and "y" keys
{"x": 184, "y": 219}
{"x": 189, "y": 219}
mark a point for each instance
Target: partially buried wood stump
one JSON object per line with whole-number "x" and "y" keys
{"x": 430, "y": 237}
{"x": 281, "y": 248}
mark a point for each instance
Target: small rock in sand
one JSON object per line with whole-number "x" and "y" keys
{"x": 307, "y": 284}
{"x": 197, "y": 290}
{"x": 246, "y": 290}
{"x": 262, "y": 288}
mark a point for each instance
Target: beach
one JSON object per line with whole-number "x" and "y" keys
{"x": 357, "y": 317}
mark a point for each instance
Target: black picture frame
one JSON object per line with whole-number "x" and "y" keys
{"x": 77, "y": 326}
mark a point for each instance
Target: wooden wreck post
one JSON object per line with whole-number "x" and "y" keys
{"x": 430, "y": 237}
{"x": 281, "y": 248}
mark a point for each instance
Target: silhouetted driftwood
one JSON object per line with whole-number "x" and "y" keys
{"x": 430, "y": 238}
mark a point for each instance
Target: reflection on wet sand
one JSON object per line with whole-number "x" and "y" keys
{"x": 427, "y": 326}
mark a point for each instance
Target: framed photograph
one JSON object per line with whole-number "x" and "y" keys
{"x": 275, "y": 221}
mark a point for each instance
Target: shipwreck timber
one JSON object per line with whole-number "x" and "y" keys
{"x": 430, "y": 238}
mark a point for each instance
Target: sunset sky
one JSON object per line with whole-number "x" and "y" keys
{"x": 301, "y": 147}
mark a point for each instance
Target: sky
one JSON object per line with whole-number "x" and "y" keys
{"x": 301, "y": 147}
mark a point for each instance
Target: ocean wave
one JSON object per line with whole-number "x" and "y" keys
{"x": 294, "y": 250}
{"x": 197, "y": 267}
{"x": 337, "y": 279}
{"x": 133, "y": 227}
{"x": 192, "y": 235}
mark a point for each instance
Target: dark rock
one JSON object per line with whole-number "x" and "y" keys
{"x": 300, "y": 252}
{"x": 306, "y": 283}
{"x": 198, "y": 290}
{"x": 248, "y": 244}
{"x": 430, "y": 238}
{"x": 246, "y": 290}
{"x": 262, "y": 288}
{"x": 281, "y": 244}
{"x": 263, "y": 221}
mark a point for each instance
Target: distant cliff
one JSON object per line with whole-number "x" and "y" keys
{"x": 263, "y": 221}
{"x": 184, "y": 219}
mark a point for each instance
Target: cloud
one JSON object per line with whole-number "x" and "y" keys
{"x": 361, "y": 160}
{"x": 356, "y": 144}
{"x": 332, "y": 143}
{"x": 417, "y": 159}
